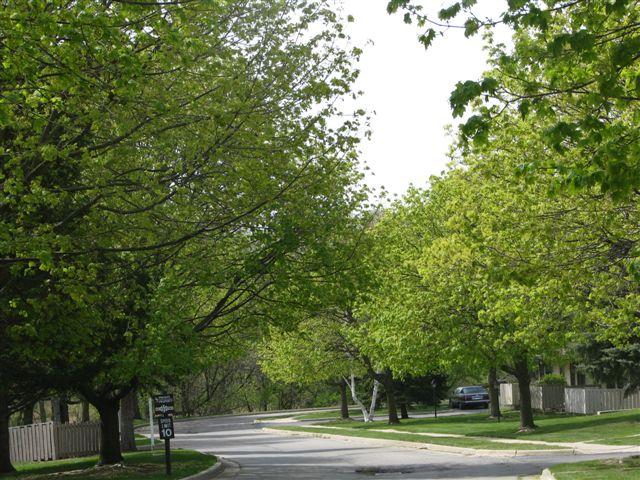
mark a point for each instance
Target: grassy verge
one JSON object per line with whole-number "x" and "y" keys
{"x": 137, "y": 466}
{"x": 141, "y": 440}
{"x": 612, "y": 469}
{"x": 407, "y": 437}
{"x": 615, "y": 429}
{"x": 356, "y": 412}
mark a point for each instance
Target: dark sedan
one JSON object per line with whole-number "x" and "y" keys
{"x": 469, "y": 397}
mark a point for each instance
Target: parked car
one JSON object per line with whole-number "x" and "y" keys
{"x": 469, "y": 397}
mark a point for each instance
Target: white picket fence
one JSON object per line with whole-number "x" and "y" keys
{"x": 52, "y": 441}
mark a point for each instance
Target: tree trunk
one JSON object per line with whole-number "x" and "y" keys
{"x": 344, "y": 404}
{"x": 127, "y": 413}
{"x": 55, "y": 409}
{"x": 374, "y": 400}
{"x": 5, "y": 457}
{"x": 86, "y": 417}
{"x": 110, "y": 433}
{"x": 137, "y": 414}
{"x": 521, "y": 372}
{"x": 356, "y": 399}
{"x": 494, "y": 398}
{"x": 43, "y": 411}
{"x": 26, "y": 417}
{"x": 390, "y": 390}
{"x": 64, "y": 410}
{"x": 404, "y": 414}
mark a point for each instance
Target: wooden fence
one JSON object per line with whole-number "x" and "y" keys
{"x": 509, "y": 395}
{"x": 631, "y": 401}
{"x": 589, "y": 400}
{"x": 52, "y": 441}
{"x": 585, "y": 400}
{"x": 547, "y": 397}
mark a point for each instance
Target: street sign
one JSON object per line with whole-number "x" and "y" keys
{"x": 163, "y": 405}
{"x": 164, "y": 409}
{"x": 166, "y": 428}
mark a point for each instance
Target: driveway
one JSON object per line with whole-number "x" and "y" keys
{"x": 252, "y": 454}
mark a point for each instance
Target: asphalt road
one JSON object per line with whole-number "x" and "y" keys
{"x": 252, "y": 454}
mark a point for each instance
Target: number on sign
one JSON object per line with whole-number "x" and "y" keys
{"x": 166, "y": 428}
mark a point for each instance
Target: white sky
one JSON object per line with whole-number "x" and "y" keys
{"x": 408, "y": 88}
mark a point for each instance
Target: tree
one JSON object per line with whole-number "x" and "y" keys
{"x": 314, "y": 352}
{"x": 195, "y": 133}
{"x": 479, "y": 274}
{"x": 572, "y": 70}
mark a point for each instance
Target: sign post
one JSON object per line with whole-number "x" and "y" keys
{"x": 434, "y": 384}
{"x": 151, "y": 433}
{"x": 163, "y": 409}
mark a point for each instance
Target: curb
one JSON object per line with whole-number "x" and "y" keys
{"x": 547, "y": 475}
{"x": 428, "y": 446}
{"x": 210, "y": 472}
{"x": 259, "y": 421}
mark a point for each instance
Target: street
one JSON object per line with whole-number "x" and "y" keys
{"x": 252, "y": 454}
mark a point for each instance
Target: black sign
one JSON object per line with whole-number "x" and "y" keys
{"x": 163, "y": 405}
{"x": 166, "y": 428}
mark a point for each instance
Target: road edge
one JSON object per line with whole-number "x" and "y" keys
{"x": 427, "y": 446}
{"x": 212, "y": 472}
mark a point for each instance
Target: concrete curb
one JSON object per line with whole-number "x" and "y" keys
{"x": 547, "y": 475}
{"x": 427, "y": 446}
{"x": 211, "y": 472}
{"x": 258, "y": 421}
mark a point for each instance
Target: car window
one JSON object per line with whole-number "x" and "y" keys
{"x": 474, "y": 390}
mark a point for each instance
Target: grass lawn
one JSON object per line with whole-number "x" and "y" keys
{"x": 612, "y": 469}
{"x": 353, "y": 412}
{"x": 450, "y": 441}
{"x": 137, "y": 466}
{"x": 622, "y": 428}
{"x": 141, "y": 440}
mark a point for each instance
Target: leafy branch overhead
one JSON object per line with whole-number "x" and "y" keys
{"x": 572, "y": 67}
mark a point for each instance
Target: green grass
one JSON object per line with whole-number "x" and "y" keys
{"x": 356, "y": 412}
{"x": 614, "y": 429}
{"x": 450, "y": 441}
{"x": 141, "y": 440}
{"x": 612, "y": 469}
{"x": 137, "y": 466}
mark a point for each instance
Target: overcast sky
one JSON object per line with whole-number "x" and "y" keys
{"x": 408, "y": 88}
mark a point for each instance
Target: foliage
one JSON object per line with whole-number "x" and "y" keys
{"x": 164, "y": 170}
{"x": 573, "y": 70}
{"x": 615, "y": 366}
{"x": 552, "y": 379}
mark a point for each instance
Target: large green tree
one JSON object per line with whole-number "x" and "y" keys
{"x": 186, "y": 142}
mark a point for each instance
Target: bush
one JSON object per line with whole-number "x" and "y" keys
{"x": 552, "y": 379}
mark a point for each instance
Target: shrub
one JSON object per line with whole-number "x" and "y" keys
{"x": 552, "y": 379}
